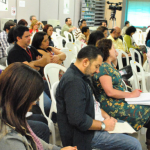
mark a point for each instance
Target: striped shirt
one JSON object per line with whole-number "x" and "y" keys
{"x": 77, "y": 33}
{"x": 3, "y": 44}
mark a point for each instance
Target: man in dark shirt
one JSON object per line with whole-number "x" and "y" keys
{"x": 79, "y": 123}
{"x": 22, "y": 52}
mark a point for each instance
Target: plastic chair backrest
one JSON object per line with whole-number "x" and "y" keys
{"x": 54, "y": 35}
{"x": 51, "y": 72}
{"x": 80, "y": 45}
{"x": 133, "y": 51}
{"x": 71, "y": 54}
{"x": 134, "y": 66}
{"x": 53, "y": 94}
{"x": 72, "y": 46}
{"x": 60, "y": 41}
{"x": 67, "y": 35}
{"x": 120, "y": 62}
{"x": 58, "y": 31}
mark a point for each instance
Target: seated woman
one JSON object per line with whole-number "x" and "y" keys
{"x": 34, "y": 27}
{"x": 15, "y": 132}
{"x": 49, "y": 30}
{"x": 94, "y": 37}
{"x": 111, "y": 93}
{"x": 22, "y": 22}
{"x": 41, "y": 43}
{"x": 104, "y": 30}
{"x": 84, "y": 36}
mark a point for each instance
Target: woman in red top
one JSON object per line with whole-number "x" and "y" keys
{"x": 34, "y": 26}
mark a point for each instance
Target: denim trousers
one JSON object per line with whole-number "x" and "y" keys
{"x": 116, "y": 141}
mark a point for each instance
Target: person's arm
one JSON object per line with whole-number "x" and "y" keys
{"x": 4, "y": 44}
{"x": 71, "y": 29}
{"x": 128, "y": 41}
{"x": 106, "y": 82}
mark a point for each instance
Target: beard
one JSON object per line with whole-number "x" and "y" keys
{"x": 115, "y": 38}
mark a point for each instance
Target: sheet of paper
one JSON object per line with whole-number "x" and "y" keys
{"x": 13, "y": 11}
{"x": 4, "y": 5}
{"x": 142, "y": 97}
{"x": 123, "y": 128}
{"x": 21, "y": 3}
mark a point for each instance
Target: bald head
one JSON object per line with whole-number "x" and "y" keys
{"x": 116, "y": 32}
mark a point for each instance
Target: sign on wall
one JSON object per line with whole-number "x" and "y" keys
{"x": 4, "y": 5}
{"x": 66, "y": 6}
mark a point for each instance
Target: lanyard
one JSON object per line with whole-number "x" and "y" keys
{"x": 29, "y": 53}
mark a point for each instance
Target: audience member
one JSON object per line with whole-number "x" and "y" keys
{"x": 123, "y": 32}
{"x": 81, "y": 23}
{"x": 23, "y": 22}
{"x": 84, "y": 36}
{"x": 103, "y": 23}
{"x": 21, "y": 52}
{"x": 16, "y": 133}
{"x": 147, "y": 42}
{"x": 94, "y": 37}
{"x": 33, "y": 17}
{"x": 68, "y": 27}
{"x": 111, "y": 92}
{"x": 34, "y": 27}
{"x": 104, "y": 30}
{"x": 77, "y": 122}
{"x": 3, "y": 41}
{"x": 41, "y": 43}
{"x": 49, "y": 30}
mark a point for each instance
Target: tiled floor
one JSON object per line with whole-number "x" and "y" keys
{"x": 139, "y": 136}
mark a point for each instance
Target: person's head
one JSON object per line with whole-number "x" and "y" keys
{"x": 40, "y": 40}
{"x": 127, "y": 23}
{"x": 8, "y": 25}
{"x": 115, "y": 32}
{"x": 89, "y": 59}
{"x": 103, "y": 23}
{"x": 94, "y": 37}
{"x": 23, "y": 22}
{"x": 48, "y": 29}
{"x": 148, "y": 37}
{"x": 68, "y": 21}
{"x": 85, "y": 31}
{"x": 103, "y": 30}
{"x": 82, "y": 23}
{"x": 25, "y": 85}
{"x": 107, "y": 49}
{"x": 33, "y": 17}
{"x": 22, "y": 35}
{"x": 34, "y": 25}
{"x": 11, "y": 35}
{"x": 130, "y": 30}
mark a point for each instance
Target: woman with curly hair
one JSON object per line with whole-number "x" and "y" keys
{"x": 111, "y": 93}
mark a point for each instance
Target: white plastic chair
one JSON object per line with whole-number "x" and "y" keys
{"x": 133, "y": 51}
{"x": 80, "y": 45}
{"x": 139, "y": 76}
{"x": 67, "y": 35}
{"x": 2, "y": 67}
{"x": 50, "y": 122}
{"x": 51, "y": 72}
{"x": 120, "y": 63}
{"x": 72, "y": 46}
{"x": 58, "y": 31}
{"x": 53, "y": 94}
{"x": 71, "y": 54}
{"x": 59, "y": 40}
{"x": 54, "y": 35}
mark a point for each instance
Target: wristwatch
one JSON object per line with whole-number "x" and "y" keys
{"x": 103, "y": 126}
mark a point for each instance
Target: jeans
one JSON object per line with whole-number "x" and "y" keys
{"x": 40, "y": 129}
{"x": 115, "y": 141}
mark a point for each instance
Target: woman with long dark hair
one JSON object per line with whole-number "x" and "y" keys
{"x": 20, "y": 88}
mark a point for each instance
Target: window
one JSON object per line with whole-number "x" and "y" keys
{"x": 138, "y": 13}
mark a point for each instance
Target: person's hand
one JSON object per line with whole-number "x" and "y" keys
{"x": 38, "y": 57}
{"x": 110, "y": 124}
{"x": 31, "y": 64}
{"x": 74, "y": 28}
{"x": 55, "y": 58}
{"x": 70, "y": 148}
{"x": 129, "y": 54}
{"x": 135, "y": 93}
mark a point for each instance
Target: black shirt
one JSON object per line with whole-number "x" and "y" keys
{"x": 75, "y": 109}
{"x": 18, "y": 54}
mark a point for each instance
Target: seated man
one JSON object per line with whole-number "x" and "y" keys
{"x": 22, "y": 52}
{"x": 123, "y": 32}
{"x": 84, "y": 37}
{"x": 68, "y": 27}
{"x": 3, "y": 41}
{"x": 79, "y": 124}
{"x": 117, "y": 42}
